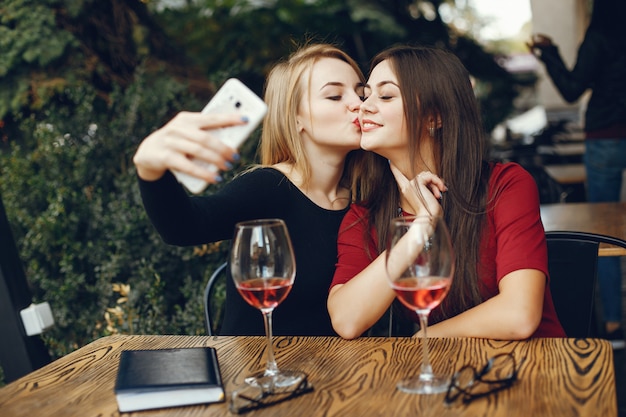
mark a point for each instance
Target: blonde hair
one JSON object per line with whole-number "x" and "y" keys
{"x": 284, "y": 90}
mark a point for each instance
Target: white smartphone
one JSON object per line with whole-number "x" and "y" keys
{"x": 232, "y": 97}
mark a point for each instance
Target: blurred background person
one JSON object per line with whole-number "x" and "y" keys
{"x": 600, "y": 67}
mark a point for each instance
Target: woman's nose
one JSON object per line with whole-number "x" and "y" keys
{"x": 354, "y": 102}
{"x": 355, "y": 105}
{"x": 366, "y": 106}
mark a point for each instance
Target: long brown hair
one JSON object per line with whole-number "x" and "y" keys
{"x": 284, "y": 89}
{"x": 434, "y": 82}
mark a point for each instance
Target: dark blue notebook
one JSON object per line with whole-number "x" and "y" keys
{"x": 148, "y": 379}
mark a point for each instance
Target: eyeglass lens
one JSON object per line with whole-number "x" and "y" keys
{"x": 500, "y": 372}
{"x": 252, "y": 397}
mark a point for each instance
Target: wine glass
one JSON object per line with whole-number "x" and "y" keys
{"x": 263, "y": 268}
{"x": 420, "y": 266}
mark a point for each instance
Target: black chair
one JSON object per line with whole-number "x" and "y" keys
{"x": 214, "y": 312}
{"x": 573, "y": 267}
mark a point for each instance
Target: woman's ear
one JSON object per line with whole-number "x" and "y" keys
{"x": 299, "y": 125}
{"x": 434, "y": 122}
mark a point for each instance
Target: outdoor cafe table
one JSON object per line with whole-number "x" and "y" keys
{"x": 557, "y": 377}
{"x": 603, "y": 218}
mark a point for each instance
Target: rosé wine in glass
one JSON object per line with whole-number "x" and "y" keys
{"x": 263, "y": 268}
{"x": 421, "y": 293}
{"x": 264, "y": 293}
{"x": 420, "y": 265}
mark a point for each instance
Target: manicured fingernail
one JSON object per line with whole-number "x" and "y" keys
{"x": 229, "y": 165}
{"x": 218, "y": 178}
{"x": 236, "y": 157}
{"x": 245, "y": 119}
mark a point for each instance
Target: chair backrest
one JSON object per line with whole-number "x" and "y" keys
{"x": 214, "y": 311}
{"x": 572, "y": 263}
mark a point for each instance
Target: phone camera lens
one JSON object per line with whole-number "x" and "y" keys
{"x": 238, "y": 104}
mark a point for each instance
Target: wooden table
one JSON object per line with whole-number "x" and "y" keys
{"x": 603, "y": 218}
{"x": 558, "y": 377}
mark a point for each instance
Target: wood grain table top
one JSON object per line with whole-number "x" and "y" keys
{"x": 557, "y": 377}
{"x": 603, "y": 218}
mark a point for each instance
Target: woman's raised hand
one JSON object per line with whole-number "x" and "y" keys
{"x": 423, "y": 193}
{"x": 538, "y": 42}
{"x": 187, "y": 135}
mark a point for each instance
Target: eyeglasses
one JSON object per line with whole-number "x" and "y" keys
{"x": 499, "y": 373}
{"x": 253, "y": 397}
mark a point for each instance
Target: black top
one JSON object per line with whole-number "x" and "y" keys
{"x": 261, "y": 193}
{"x": 600, "y": 66}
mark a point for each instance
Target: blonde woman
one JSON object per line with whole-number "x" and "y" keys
{"x": 309, "y": 132}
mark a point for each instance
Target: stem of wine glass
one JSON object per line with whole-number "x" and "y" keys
{"x": 427, "y": 369}
{"x": 271, "y": 367}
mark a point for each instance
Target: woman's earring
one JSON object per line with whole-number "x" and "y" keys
{"x": 431, "y": 131}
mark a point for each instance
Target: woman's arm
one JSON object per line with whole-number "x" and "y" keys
{"x": 180, "y": 219}
{"x": 359, "y": 293}
{"x": 364, "y": 294}
{"x": 571, "y": 84}
{"x": 186, "y": 220}
{"x": 513, "y": 314}
{"x": 513, "y": 270}
{"x": 357, "y": 305}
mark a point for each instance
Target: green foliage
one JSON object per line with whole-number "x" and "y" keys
{"x": 30, "y": 38}
{"x": 71, "y": 194}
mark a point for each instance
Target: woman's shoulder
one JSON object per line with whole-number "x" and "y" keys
{"x": 261, "y": 174}
{"x": 507, "y": 177}
{"x": 262, "y": 170}
{"x": 258, "y": 182}
{"x": 503, "y": 170}
{"x": 357, "y": 211}
{"x": 356, "y": 215}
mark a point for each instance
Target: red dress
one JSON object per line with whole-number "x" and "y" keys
{"x": 514, "y": 239}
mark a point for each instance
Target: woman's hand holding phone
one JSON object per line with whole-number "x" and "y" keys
{"x": 186, "y": 134}
{"x": 196, "y": 146}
